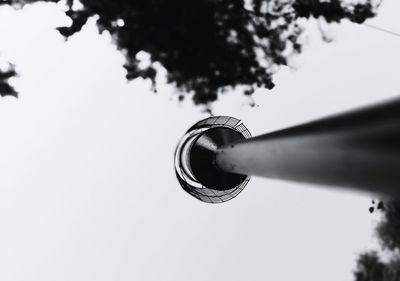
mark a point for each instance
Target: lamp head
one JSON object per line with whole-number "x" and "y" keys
{"x": 194, "y": 159}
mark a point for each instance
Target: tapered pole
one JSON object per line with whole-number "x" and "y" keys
{"x": 359, "y": 149}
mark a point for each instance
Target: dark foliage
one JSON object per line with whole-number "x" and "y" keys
{"x": 208, "y": 45}
{"x": 369, "y": 265}
{"x": 5, "y": 88}
{"x": 389, "y": 229}
{"x": 370, "y": 268}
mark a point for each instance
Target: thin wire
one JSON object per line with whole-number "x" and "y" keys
{"x": 381, "y": 29}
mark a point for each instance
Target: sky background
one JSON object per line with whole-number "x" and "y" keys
{"x": 88, "y": 191}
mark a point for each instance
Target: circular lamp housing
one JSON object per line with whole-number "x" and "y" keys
{"x": 195, "y": 154}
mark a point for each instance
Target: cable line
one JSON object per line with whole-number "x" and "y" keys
{"x": 381, "y": 29}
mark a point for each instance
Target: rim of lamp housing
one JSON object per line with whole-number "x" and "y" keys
{"x": 195, "y": 157}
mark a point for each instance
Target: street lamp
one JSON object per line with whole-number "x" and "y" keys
{"x": 357, "y": 150}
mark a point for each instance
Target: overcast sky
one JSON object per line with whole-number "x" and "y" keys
{"x": 88, "y": 191}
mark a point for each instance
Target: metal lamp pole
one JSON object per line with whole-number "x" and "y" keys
{"x": 359, "y": 150}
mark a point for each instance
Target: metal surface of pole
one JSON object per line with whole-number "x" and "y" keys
{"x": 359, "y": 149}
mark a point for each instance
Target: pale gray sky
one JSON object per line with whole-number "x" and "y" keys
{"x": 88, "y": 191}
